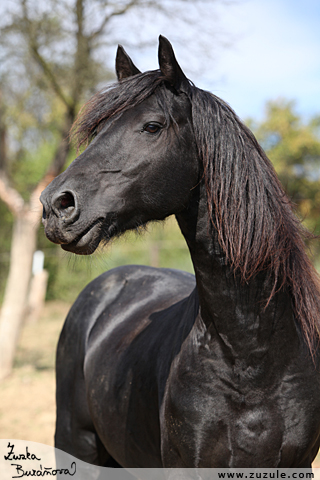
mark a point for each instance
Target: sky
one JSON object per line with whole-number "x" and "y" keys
{"x": 275, "y": 53}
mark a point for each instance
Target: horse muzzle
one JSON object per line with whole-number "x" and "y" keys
{"x": 61, "y": 221}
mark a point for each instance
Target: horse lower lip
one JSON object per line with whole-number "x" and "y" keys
{"x": 87, "y": 243}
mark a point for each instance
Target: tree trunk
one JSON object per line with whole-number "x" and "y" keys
{"x": 15, "y": 298}
{"x": 24, "y": 238}
{"x": 37, "y": 296}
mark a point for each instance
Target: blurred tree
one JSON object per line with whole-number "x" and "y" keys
{"x": 53, "y": 57}
{"x": 293, "y": 145}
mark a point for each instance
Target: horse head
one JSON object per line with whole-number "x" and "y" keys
{"x": 141, "y": 161}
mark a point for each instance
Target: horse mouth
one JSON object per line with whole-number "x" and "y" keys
{"x": 87, "y": 242}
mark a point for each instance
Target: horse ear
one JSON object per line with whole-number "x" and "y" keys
{"x": 169, "y": 65}
{"x": 124, "y": 65}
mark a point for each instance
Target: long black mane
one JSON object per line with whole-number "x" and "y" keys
{"x": 254, "y": 218}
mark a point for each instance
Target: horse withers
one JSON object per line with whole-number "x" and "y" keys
{"x": 156, "y": 367}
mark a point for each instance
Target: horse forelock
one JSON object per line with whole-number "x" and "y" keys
{"x": 114, "y": 100}
{"x": 254, "y": 219}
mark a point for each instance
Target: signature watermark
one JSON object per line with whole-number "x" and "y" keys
{"x": 21, "y": 470}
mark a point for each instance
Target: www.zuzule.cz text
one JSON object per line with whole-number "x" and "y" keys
{"x": 274, "y": 474}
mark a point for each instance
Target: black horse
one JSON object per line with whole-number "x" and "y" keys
{"x": 156, "y": 368}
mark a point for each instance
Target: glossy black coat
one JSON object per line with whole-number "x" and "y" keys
{"x": 155, "y": 367}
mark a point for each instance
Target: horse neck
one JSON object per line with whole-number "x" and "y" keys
{"x": 233, "y": 309}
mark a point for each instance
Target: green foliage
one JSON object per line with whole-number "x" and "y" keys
{"x": 48, "y": 69}
{"x": 6, "y": 222}
{"x": 29, "y": 167}
{"x": 293, "y": 145}
{"x": 162, "y": 245}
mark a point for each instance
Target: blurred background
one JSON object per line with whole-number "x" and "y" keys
{"x": 261, "y": 56}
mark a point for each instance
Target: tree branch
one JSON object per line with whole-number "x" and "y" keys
{"x": 10, "y": 196}
{"x": 55, "y": 168}
{"x": 62, "y": 151}
{"x": 49, "y": 74}
{"x": 35, "y": 207}
{"x": 107, "y": 18}
{"x": 34, "y": 48}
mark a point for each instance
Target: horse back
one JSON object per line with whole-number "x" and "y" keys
{"x": 122, "y": 334}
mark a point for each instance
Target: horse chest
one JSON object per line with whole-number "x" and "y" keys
{"x": 212, "y": 419}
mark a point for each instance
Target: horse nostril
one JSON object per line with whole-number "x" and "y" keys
{"x": 64, "y": 204}
{"x": 66, "y": 201}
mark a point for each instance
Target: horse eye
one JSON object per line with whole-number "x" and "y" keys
{"x": 152, "y": 128}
